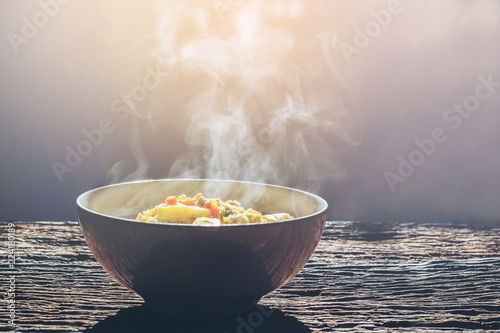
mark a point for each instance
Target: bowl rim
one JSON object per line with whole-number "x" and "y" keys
{"x": 81, "y": 197}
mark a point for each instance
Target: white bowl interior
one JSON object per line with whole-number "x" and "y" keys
{"x": 128, "y": 199}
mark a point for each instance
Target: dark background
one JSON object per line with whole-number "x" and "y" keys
{"x": 64, "y": 80}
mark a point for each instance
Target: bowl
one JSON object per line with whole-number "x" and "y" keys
{"x": 196, "y": 270}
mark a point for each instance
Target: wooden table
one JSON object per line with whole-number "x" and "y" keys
{"x": 363, "y": 277}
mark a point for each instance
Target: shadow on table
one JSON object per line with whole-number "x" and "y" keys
{"x": 142, "y": 319}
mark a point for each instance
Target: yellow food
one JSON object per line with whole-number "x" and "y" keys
{"x": 202, "y": 211}
{"x": 181, "y": 211}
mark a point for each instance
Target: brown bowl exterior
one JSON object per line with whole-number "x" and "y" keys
{"x": 192, "y": 270}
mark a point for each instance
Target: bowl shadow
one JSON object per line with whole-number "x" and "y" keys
{"x": 261, "y": 319}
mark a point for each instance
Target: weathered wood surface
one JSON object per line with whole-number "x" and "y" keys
{"x": 362, "y": 278}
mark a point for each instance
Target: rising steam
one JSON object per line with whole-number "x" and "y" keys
{"x": 255, "y": 101}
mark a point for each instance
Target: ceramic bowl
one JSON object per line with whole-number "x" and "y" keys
{"x": 194, "y": 270}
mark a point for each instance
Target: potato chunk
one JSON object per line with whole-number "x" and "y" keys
{"x": 181, "y": 211}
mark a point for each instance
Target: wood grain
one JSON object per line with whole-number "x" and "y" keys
{"x": 363, "y": 277}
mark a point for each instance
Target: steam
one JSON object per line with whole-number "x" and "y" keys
{"x": 115, "y": 174}
{"x": 255, "y": 102}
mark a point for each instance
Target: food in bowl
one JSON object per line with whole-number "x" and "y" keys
{"x": 202, "y": 211}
